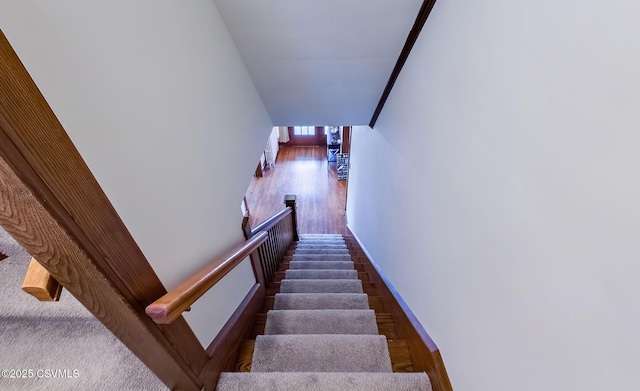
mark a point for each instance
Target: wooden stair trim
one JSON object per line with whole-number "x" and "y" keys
{"x": 245, "y": 356}
{"x": 39, "y": 283}
{"x": 423, "y": 14}
{"x": 226, "y": 348}
{"x": 424, "y": 353}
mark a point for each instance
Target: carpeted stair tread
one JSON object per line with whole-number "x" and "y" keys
{"x": 321, "y": 240}
{"x": 319, "y": 237}
{"x": 320, "y": 243}
{"x": 341, "y": 265}
{"x": 304, "y": 236}
{"x": 321, "y": 286}
{"x": 292, "y": 274}
{"x": 321, "y": 322}
{"x": 310, "y": 243}
{"x": 320, "y": 246}
{"x": 314, "y": 381}
{"x": 321, "y": 353}
{"x": 323, "y": 251}
{"x": 319, "y": 301}
{"x": 321, "y": 257}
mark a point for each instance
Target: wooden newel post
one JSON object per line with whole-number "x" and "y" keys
{"x": 246, "y": 228}
{"x": 290, "y": 201}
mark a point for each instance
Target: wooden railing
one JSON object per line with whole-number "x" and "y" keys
{"x": 281, "y": 233}
{"x": 266, "y": 245}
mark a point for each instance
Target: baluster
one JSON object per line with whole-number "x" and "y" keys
{"x": 272, "y": 252}
{"x": 265, "y": 262}
{"x": 278, "y": 228}
{"x": 258, "y": 268}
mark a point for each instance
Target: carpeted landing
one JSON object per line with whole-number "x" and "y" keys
{"x": 62, "y": 336}
{"x": 321, "y": 334}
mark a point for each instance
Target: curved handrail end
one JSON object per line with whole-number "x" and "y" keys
{"x": 158, "y": 313}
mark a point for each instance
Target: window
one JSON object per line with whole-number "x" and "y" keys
{"x": 304, "y": 130}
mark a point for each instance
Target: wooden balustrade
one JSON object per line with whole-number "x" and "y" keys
{"x": 283, "y": 229}
{"x": 273, "y": 250}
{"x": 266, "y": 245}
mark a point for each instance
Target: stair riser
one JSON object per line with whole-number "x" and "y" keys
{"x": 356, "y": 322}
{"x": 320, "y": 239}
{"x": 357, "y": 266}
{"x": 321, "y": 353}
{"x": 341, "y": 265}
{"x": 384, "y": 321}
{"x": 318, "y": 257}
{"x": 319, "y": 252}
{"x": 321, "y": 286}
{"x": 320, "y": 242}
{"x": 304, "y": 236}
{"x": 324, "y": 381}
{"x": 300, "y": 301}
{"x": 367, "y": 287}
{"x": 321, "y": 274}
{"x": 362, "y": 276}
{"x": 374, "y": 302}
{"x": 319, "y": 247}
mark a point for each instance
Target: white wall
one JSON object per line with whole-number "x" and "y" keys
{"x": 158, "y": 102}
{"x": 500, "y": 189}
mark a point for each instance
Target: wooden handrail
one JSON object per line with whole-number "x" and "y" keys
{"x": 170, "y": 306}
{"x": 271, "y": 221}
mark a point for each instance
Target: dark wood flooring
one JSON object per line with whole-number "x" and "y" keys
{"x": 305, "y": 172}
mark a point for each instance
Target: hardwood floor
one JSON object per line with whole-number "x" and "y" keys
{"x": 303, "y": 171}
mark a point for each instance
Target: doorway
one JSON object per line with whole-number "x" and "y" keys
{"x": 300, "y": 136}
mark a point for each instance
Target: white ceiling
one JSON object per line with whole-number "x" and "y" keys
{"x": 319, "y": 62}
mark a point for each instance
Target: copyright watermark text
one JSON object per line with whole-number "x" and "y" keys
{"x": 28, "y": 373}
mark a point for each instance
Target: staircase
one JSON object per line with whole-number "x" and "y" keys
{"x": 319, "y": 331}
